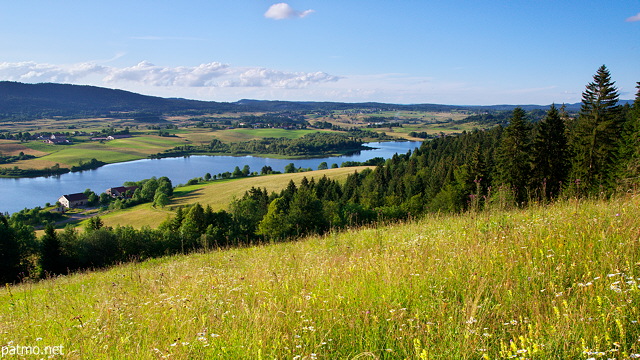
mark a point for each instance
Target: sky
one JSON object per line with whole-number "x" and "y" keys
{"x": 407, "y": 51}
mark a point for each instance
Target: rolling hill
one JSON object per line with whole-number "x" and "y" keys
{"x": 33, "y": 101}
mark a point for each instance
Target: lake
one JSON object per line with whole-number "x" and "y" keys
{"x": 17, "y": 194}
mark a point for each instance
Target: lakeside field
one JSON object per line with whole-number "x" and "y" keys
{"x": 217, "y": 194}
{"x": 138, "y": 147}
{"x": 548, "y": 282}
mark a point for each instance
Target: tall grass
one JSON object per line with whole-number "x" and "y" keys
{"x": 547, "y": 282}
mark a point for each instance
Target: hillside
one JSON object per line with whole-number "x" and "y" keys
{"x": 548, "y": 282}
{"x": 45, "y": 100}
{"x": 20, "y": 101}
{"x": 217, "y": 194}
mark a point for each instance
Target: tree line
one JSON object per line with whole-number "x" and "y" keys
{"x": 595, "y": 153}
{"x": 308, "y": 145}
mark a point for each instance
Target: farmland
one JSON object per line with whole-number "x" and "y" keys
{"x": 175, "y": 131}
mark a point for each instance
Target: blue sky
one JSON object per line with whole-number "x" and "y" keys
{"x": 413, "y": 51}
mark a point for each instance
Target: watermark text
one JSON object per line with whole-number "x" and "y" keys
{"x": 21, "y": 350}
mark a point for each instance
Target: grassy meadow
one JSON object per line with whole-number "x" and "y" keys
{"x": 217, "y": 194}
{"x": 137, "y": 147}
{"x": 548, "y": 282}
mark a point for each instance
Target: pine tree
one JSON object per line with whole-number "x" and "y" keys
{"x": 631, "y": 171}
{"x": 594, "y": 139}
{"x": 9, "y": 252}
{"x": 549, "y": 154}
{"x": 50, "y": 251}
{"x": 514, "y": 162}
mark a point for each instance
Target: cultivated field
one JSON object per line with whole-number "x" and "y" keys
{"x": 557, "y": 282}
{"x": 146, "y": 142}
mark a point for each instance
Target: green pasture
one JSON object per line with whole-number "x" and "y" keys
{"x": 245, "y": 134}
{"x": 218, "y": 194}
{"x": 134, "y": 148}
{"x": 145, "y": 144}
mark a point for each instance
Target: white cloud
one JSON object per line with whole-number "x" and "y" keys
{"x": 634, "y": 18}
{"x": 34, "y": 72}
{"x": 150, "y": 74}
{"x": 214, "y": 74}
{"x": 260, "y": 77}
{"x": 283, "y": 11}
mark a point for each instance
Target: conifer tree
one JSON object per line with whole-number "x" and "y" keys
{"x": 631, "y": 170}
{"x": 9, "y": 252}
{"x": 549, "y": 154}
{"x": 513, "y": 160}
{"x": 50, "y": 251}
{"x": 594, "y": 139}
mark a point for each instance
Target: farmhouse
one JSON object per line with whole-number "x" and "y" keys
{"x": 73, "y": 200}
{"x": 121, "y": 192}
{"x": 57, "y": 139}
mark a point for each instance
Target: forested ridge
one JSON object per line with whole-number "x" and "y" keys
{"x": 21, "y": 101}
{"x": 596, "y": 153}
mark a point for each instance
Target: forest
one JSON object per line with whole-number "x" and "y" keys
{"x": 593, "y": 154}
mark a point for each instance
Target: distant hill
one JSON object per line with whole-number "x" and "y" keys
{"x": 31, "y": 101}
{"x": 48, "y": 99}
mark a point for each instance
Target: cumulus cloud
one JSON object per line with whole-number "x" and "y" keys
{"x": 34, "y": 72}
{"x": 260, "y": 77}
{"x": 215, "y": 75}
{"x": 283, "y": 11}
{"x": 150, "y": 74}
{"x": 634, "y": 18}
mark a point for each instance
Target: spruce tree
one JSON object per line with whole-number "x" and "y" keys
{"x": 594, "y": 139}
{"x": 513, "y": 160}
{"x": 9, "y": 252}
{"x": 50, "y": 251}
{"x": 631, "y": 146}
{"x": 549, "y": 154}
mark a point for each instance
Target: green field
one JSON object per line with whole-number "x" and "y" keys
{"x": 555, "y": 282}
{"x": 244, "y": 134}
{"x": 217, "y": 194}
{"x": 146, "y": 142}
{"x": 138, "y": 147}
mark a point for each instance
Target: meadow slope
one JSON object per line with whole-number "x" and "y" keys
{"x": 542, "y": 283}
{"x": 217, "y": 194}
